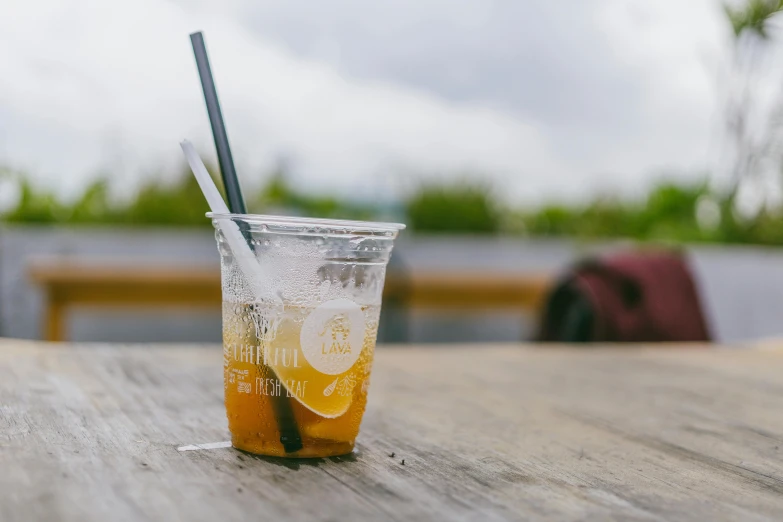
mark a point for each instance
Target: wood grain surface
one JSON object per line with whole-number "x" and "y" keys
{"x": 90, "y": 433}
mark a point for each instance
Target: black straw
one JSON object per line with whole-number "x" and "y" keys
{"x": 284, "y": 414}
{"x": 233, "y": 192}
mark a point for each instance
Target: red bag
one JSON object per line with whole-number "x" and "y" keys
{"x": 634, "y": 297}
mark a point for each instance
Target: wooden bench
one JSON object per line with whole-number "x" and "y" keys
{"x": 68, "y": 285}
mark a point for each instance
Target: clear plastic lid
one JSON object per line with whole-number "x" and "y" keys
{"x": 293, "y": 224}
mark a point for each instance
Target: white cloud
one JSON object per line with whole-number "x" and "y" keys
{"x": 675, "y": 49}
{"x": 89, "y": 86}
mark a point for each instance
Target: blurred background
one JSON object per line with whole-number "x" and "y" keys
{"x": 512, "y": 136}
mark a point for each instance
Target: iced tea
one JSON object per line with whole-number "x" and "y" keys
{"x": 300, "y": 316}
{"x": 307, "y": 368}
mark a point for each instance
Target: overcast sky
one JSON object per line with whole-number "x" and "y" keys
{"x": 545, "y": 99}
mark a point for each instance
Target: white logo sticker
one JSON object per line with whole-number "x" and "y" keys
{"x": 332, "y": 336}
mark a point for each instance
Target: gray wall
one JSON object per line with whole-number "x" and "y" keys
{"x": 21, "y": 301}
{"x": 741, "y": 288}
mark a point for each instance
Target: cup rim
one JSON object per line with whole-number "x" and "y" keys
{"x": 295, "y": 221}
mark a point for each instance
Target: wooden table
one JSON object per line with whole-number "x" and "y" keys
{"x": 91, "y": 433}
{"x": 69, "y": 285}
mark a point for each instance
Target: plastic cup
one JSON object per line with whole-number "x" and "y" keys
{"x": 299, "y": 333}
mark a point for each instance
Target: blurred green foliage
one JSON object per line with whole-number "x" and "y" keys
{"x": 177, "y": 203}
{"x": 278, "y": 196}
{"x": 753, "y": 16}
{"x": 667, "y": 213}
{"x": 671, "y": 212}
{"x": 462, "y": 207}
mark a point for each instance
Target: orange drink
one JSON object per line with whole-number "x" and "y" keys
{"x": 297, "y": 354}
{"x": 262, "y": 368}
